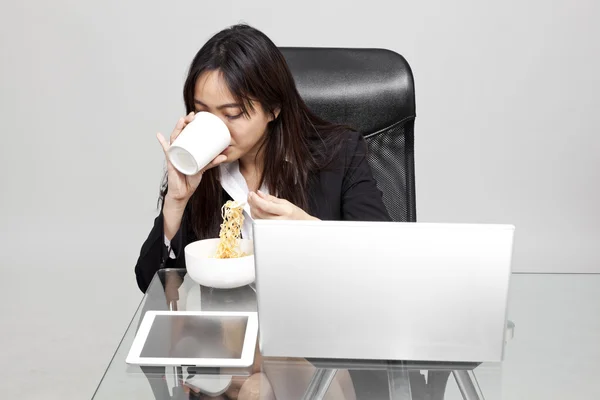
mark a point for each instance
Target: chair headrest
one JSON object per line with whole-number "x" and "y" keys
{"x": 368, "y": 89}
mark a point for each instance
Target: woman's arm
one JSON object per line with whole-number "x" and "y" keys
{"x": 154, "y": 254}
{"x": 168, "y": 226}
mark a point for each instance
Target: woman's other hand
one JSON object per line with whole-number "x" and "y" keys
{"x": 264, "y": 206}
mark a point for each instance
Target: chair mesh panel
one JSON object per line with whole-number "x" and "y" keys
{"x": 390, "y": 156}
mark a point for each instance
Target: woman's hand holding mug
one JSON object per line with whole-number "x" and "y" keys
{"x": 182, "y": 186}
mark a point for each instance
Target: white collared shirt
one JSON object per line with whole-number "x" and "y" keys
{"x": 234, "y": 183}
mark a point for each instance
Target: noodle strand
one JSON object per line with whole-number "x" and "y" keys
{"x": 233, "y": 218}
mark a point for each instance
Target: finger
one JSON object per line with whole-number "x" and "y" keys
{"x": 266, "y": 205}
{"x": 181, "y": 123}
{"x": 257, "y": 213}
{"x": 221, "y": 158}
{"x": 190, "y": 117}
{"x": 194, "y": 180}
{"x": 163, "y": 142}
{"x": 165, "y": 146}
{"x": 268, "y": 197}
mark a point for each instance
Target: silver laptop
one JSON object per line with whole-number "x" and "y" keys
{"x": 382, "y": 290}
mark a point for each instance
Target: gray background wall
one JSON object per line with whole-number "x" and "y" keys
{"x": 506, "y": 132}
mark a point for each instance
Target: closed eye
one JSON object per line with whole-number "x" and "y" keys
{"x": 231, "y": 117}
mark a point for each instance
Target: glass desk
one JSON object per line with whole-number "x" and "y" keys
{"x": 329, "y": 379}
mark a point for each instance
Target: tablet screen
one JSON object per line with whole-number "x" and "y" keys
{"x": 195, "y": 336}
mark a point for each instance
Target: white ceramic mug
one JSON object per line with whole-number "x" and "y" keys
{"x": 199, "y": 143}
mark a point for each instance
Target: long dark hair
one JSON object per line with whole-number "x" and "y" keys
{"x": 297, "y": 143}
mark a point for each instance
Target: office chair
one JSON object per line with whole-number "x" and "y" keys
{"x": 372, "y": 90}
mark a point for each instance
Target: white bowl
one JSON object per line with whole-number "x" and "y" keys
{"x": 220, "y": 273}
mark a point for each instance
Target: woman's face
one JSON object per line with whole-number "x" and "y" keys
{"x": 211, "y": 94}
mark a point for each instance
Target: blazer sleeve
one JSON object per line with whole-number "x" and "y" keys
{"x": 154, "y": 254}
{"x": 361, "y": 198}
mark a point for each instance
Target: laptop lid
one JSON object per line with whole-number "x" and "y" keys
{"x": 382, "y": 290}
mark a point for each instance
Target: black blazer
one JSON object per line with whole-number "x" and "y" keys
{"x": 345, "y": 190}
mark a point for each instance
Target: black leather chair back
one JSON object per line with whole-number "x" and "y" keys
{"x": 372, "y": 90}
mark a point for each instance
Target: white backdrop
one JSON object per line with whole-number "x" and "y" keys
{"x": 506, "y": 130}
{"x": 504, "y": 133}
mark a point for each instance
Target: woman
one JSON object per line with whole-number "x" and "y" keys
{"x": 287, "y": 162}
